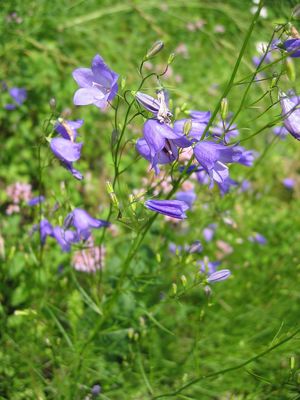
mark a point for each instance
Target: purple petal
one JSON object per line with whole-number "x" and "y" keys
{"x": 66, "y": 150}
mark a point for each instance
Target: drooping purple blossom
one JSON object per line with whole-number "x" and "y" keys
{"x": 188, "y": 196}
{"x": 98, "y": 84}
{"x": 247, "y": 156}
{"x": 224, "y": 129}
{"x": 68, "y": 129}
{"x": 158, "y": 107}
{"x": 219, "y": 276}
{"x": 83, "y": 223}
{"x": 226, "y": 185}
{"x": 67, "y": 152}
{"x": 166, "y": 156}
{"x": 208, "y": 267}
{"x": 291, "y": 114}
{"x": 200, "y": 116}
{"x": 209, "y": 232}
{"x": 292, "y": 46}
{"x": 258, "y": 238}
{"x": 65, "y": 238}
{"x": 289, "y": 183}
{"x": 18, "y": 95}
{"x": 280, "y": 131}
{"x": 159, "y": 137}
{"x": 46, "y": 229}
{"x": 171, "y": 208}
{"x": 36, "y": 200}
{"x": 213, "y": 156}
{"x": 195, "y": 247}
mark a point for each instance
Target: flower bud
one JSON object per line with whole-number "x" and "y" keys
{"x": 296, "y": 12}
{"x": 112, "y": 194}
{"x": 130, "y": 333}
{"x": 187, "y": 126}
{"x": 174, "y": 288}
{"x": 123, "y": 82}
{"x": 290, "y": 69}
{"x": 171, "y": 58}
{"x": 224, "y": 108}
{"x": 183, "y": 280}
{"x": 292, "y": 362}
{"x": 52, "y": 103}
{"x": 154, "y": 49}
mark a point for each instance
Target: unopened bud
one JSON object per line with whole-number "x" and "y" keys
{"x": 123, "y": 82}
{"x": 155, "y": 49}
{"x": 171, "y": 58}
{"x": 130, "y": 333}
{"x": 292, "y": 362}
{"x": 224, "y": 108}
{"x": 183, "y": 280}
{"x": 112, "y": 195}
{"x": 136, "y": 336}
{"x": 290, "y": 69}
{"x": 52, "y": 103}
{"x": 174, "y": 288}
{"x": 132, "y": 202}
{"x": 187, "y": 126}
{"x": 294, "y": 32}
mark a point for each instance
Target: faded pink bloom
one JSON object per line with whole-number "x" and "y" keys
{"x": 224, "y": 247}
{"x": 182, "y": 50}
{"x": 12, "y": 208}
{"x": 200, "y": 23}
{"x": 2, "y": 247}
{"x": 19, "y": 192}
{"x": 148, "y": 66}
{"x": 114, "y": 230}
{"x": 187, "y": 185}
{"x": 219, "y": 28}
{"x": 186, "y": 154}
{"x": 178, "y": 78}
{"x": 191, "y": 27}
{"x": 90, "y": 259}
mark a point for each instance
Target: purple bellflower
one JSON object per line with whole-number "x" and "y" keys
{"x": 158, "y": 107}
{"x": 258, "y": 238}
{"x": 45, "y": 230}
{"x": 166, "y": 156}
{"x": 247, "y": 156}
{"x": 83, "y": 223}
{"x": 68, "y": 129}
{"x": 65, "y": 238}
{"x": 67, "y": 152}
{"x": 213, "y": 156}
{"x": 225, "y": 128}
{"x": 280, "y": 131}
{"x": 208, "y": 267}
{"x": 292, "y": 46}
{"x": 189, "y": 197}
{"x": 291, "y": 114}
{"x": 289, "y": 183}
{"x": 98, "y": 85}
{"x": 171, "y": 208}
{"x": 19, "y": 95}
{"x": 159, "y": 137}
{"x": 219, "y": 276}
{"x": 36, "y": 200}
{"x": 226, "y": 185}
{"x": 200, "y": 116}
{"x": 209, "y": 232}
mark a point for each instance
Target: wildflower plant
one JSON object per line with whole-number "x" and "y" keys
{"x": 184, "y": 154}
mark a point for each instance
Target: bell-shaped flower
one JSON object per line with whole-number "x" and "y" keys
{"x": 291, "y": 114}
{"x": 188, "y": 196}
{"x": 35, "y": 201}
{"x": 219, "y": 276}
{"x": 83, "y": 223}
{"x": 247, "y": 156}
{"x": 67, "y": 152}
{"x": 68, "y": 129}
{"x": 159, "y": 137}
{"x": 18, "y": 95}
{"x": 201, "y": 116}
{"x": 226, "y": 185}
{"x": 166, "y": 156}
{"x": 45, "y": 230}
{"x": 98, "y": 84}
{"x": 213, "y": 157}
{"x": 65, "y": 238}
{"x": 158, "y": 107}
{"x": 292, "y": 46}
{"x": 171, "y": 208}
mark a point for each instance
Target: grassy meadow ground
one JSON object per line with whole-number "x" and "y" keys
{"x": 55, "y": 343}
